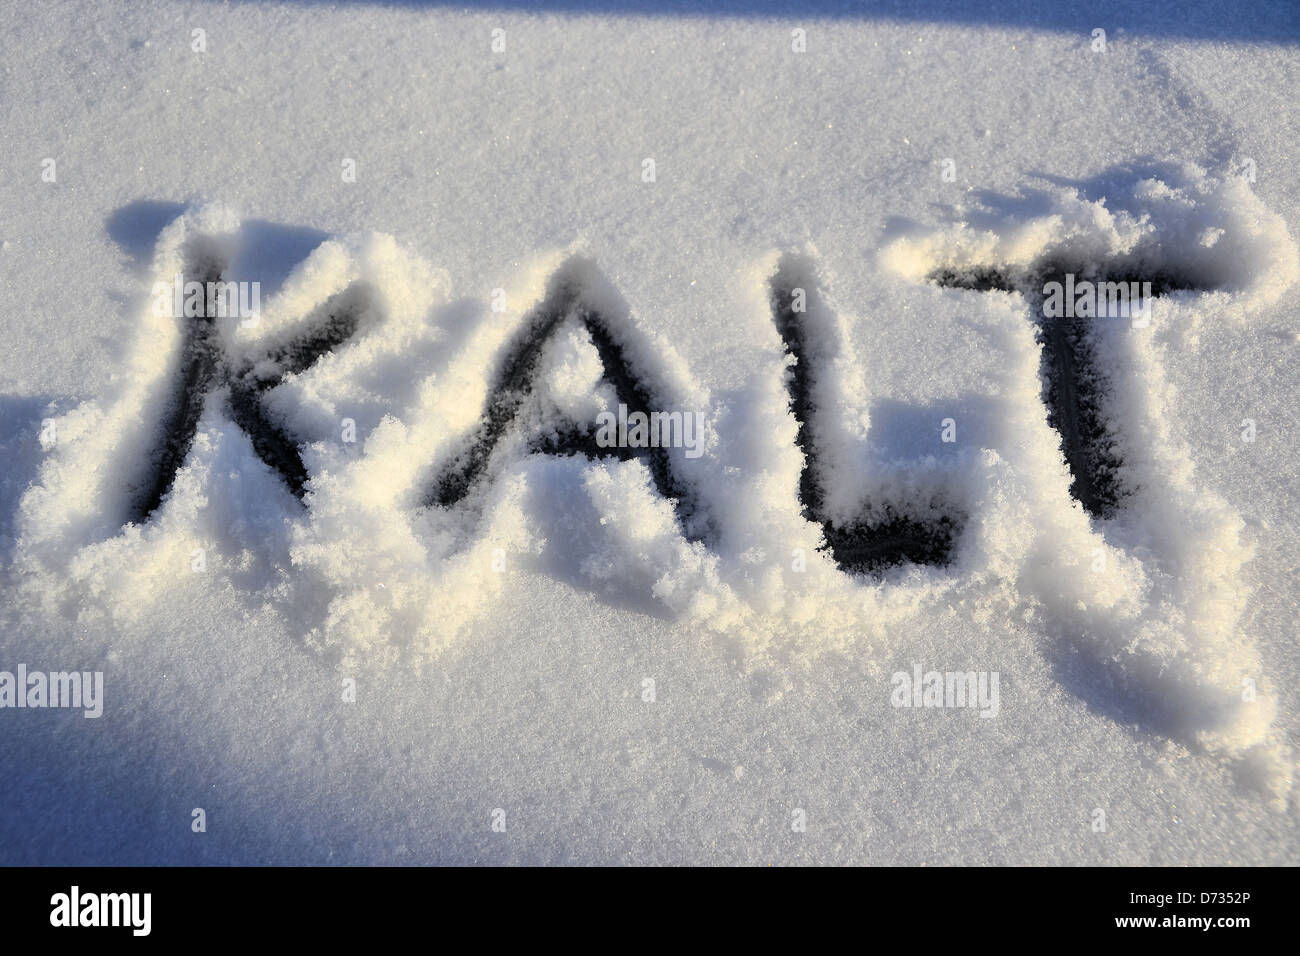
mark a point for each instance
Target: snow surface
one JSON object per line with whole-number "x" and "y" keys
{"x": 500, "y": 647}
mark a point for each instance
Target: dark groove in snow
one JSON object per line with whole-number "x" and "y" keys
{"x": 1075, "y": 388}
{"x": 200, "y": 372}
{"x": 1075, "y": 393}
{"x": 868, "y": 546}
{"x": 977, "y": 279}
{"x": 516, "y": 380}
{"x": 272, "y": 444}
{"x": 342, "y": 316}
{"x": 340, "y": 321}
{"x": 204, "y": 369}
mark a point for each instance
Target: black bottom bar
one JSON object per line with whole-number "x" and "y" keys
{"x": 929, "y": 906}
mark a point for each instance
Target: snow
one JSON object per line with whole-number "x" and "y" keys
{"x": 629, "y": 681}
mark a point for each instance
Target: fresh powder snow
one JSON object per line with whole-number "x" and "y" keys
{"x": 877, "y": 559}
